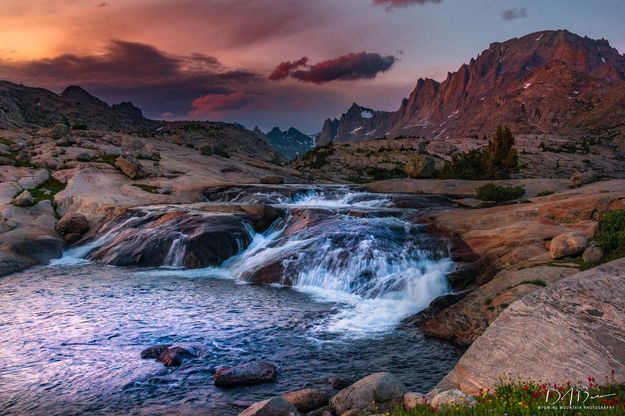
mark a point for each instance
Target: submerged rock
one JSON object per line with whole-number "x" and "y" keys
{"x": 248, "y": 374}
{"x": 166, "y": 354}
{"x": 382, "y": 390}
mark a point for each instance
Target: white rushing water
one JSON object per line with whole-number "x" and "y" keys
{"x": 374, "y": 270}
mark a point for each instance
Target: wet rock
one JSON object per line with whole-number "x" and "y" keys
{"x": 24, "y": 199}
{"x": 42, "y": 249}
{"x": 420, "y": 167}
{"x": 248, "y": 374}
{"x": 307, "y": 400}
{"x": 276, "y": 406}
{"x": 568, "y": 244}
{"x": 383, "y": 389}
{"x": 73, "y": 223}
{"x": 272, "y": 180}
{"x": 166, "y": 354}
{"x": 204, "y": 239}
{"x": 129, "y": 167}
{"x": 580, "y": 178}
{"x": 411, "y": 400}
{"x": 592, "y": 254}
{"x": 262, "y": 215}
{"x": 452, "y": 397}
{"x": 71, "y": 238}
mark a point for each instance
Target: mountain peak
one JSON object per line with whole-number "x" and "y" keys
{"x": 78, "y": 94}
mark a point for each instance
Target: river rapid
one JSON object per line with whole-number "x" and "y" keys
{"x": 72, "y": 331}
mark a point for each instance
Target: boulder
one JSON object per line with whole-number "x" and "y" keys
{"x": 248, "y": 374}
{"x": 577, "y": 331}
{"x": 205, "y": 239}
{"x": 166, "y": 354}
{"x": 382, "y": 390}
{"x": 272, "y": 180}
{"x": 24, "y": 199}
{"x": 452, "y": 397}
{"x": 129, "y": 167}
{"x": 83, "y": 157}
{"x": 338, "y": 383}
{"x": 73, "y": 223}
{"x": 420, "y": 167}
{"x": 59, "y": 131}
{"x": 411, "y": 400}
{"x": 276, "y": 406}
{"x": 568, "y": 244}
{"x": 580, "y": 178}
{"x": 592, "y": 254}
{"x": 307, "y": 400}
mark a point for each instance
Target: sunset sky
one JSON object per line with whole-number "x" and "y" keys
{"x": 269, "y": 62}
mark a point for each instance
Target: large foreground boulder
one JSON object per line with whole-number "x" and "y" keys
{"x": 568, "y": 331}
{"x": 381, "y": 391}
{"x": 72, "y": 226}
{"x": 248, "y": 374}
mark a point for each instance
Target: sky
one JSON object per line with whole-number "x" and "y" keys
{"x": 269, "y": 62}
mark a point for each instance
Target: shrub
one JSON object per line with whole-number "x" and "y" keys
{"x": 80, "y": 125}
{"x": 611, "y": 234}
{"x": 492, "y": 192}
{"x": 545, "y": 193}
{"x": 496, "y": 161}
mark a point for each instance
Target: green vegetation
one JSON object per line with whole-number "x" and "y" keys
{"x": 47, "y": 190}
{"x": 491, "y": 308}
{"x": 536, "y": 282}
{"x": 504, "y": 305}
{"x": 376, "y": 174}
{"x": 80, "y": 125}
{"x": 535, "y": 399}
{"x": 492, "y": 192}
{"x": 110, "y": 159}
{"x": 611, "y": 234}
{"x": 316, "y": 157}
{"x": 145, "y": 187}
{"x": 496, "y": 161}
{"x": 488, "y": 301}
{"x": 545, "y": 193}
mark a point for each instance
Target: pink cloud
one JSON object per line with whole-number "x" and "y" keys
{"x": 212, "y": 104}
{"x": 284, "y": 69}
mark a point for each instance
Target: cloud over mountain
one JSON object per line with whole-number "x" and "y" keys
{"x": 350, "y": 67}
{"x": 514, "y": 13}
{"x": 391, "y": 4}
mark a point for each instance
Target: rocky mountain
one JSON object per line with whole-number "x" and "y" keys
{"x": 27, "y": 107}
{"x": 22, "y": 106}
{"x": 356, "y": 124}
{"x": 549, "y": 82}
{"x": 290, "y": 143}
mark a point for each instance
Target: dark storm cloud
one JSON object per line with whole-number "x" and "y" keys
{"x": 284, "y": 69}
{"x": 350, "y": 67}
{"x": 136, "y": 71}
{"x": 391, "y": 4}
{"x": 513, "y": 14}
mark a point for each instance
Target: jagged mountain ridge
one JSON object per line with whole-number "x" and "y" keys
{"x": 28, "y": 107}
{"x": 290, "y": 143}
{"x": 549, "y": 82}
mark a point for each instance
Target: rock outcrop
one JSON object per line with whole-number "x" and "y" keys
{"x": 577, "y": 330}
